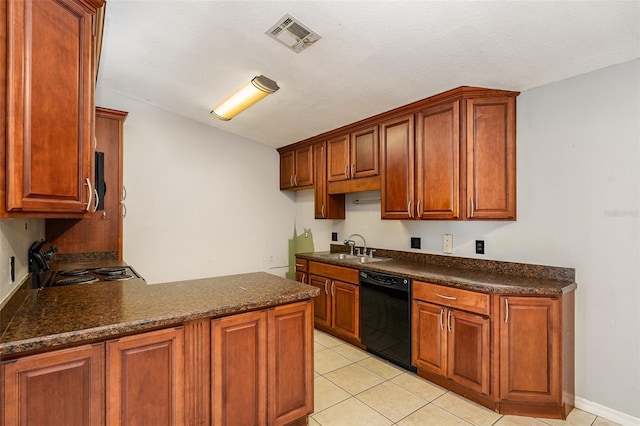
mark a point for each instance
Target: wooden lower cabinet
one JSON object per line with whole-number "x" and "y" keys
{"x": 536, "y": 355}
{"x": 337, "y": 307}
{"x": 145, "y": 376}
{"x": 263, "y": 366}
{"x": 60, "y": 388}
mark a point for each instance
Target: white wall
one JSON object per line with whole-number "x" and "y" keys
{"x": 578, "y": 206}
{"x": 16, "y": 236}
{"x": 200, "y": 202}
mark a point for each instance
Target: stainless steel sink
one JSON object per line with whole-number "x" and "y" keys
{"x": 367, "y": 259}
{"x": 341, "y": 256}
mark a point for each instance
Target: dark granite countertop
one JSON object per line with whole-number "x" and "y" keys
{"x": 471, "y": 274}
{"x": 58, "y": 316}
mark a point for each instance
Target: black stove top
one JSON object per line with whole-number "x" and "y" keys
{"x": 87, "y": 276}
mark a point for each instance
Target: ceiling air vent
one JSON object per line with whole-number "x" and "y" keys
{"x": 292, "y": 33}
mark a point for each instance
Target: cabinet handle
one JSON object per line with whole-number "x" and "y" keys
{"x": 88, "y": 183}
{"x": 449, "y": 321}
{"x": 291, "y": 180}
{"x": 418, "y": 212}
{"x": 472, "y": 206}
{"x": 299, "y": 264}
{"x": 446, "y": 297}
{"x": 323, "y": 211}
{"x": 124, "y": 210}
{"x": 333, "y": 286}
{"x": 124, "y": 193}
{"x": 440, "y": 319}
{"x": 295, "y": 180}
{"x": 304, "y": 277}
{"x": 506, "y": 307}
{"x": 96, "y": 200}
{"x": 326, "y": 291}
{"x": 409, "y": 209}
{"x": 353, "y": 168}
{"x": 346, "y": 171}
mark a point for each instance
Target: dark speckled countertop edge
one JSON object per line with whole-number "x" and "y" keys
{"x": 469, "y": 274}
{"x": 220, "y": 297}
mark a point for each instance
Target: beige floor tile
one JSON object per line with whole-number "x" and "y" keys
{"x": 467, "y": 410}
{"x": 317, "y": 347}
{"x": 381, "y": 367}
{"x": 601, "y": 421}
{"x": 354, "y": 378}
{"x": 326, "y": 361}
{"x": 418, "y": 386}
{"x": 575, "y": 418}
{"x": 351, "y": 352}
{"x": 313, "y": 422}
{"x": 326, "y": 394}
{"x": 432, "y": 415}
{"x": 391, "y": 400}
{"x": 518, "y": 421}
{"x": 351, "y": 412}
{"x": 327, "y": 340}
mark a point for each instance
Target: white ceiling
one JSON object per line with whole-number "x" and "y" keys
{"x": 187, "y": 56}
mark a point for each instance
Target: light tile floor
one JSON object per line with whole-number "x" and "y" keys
{"x": 353, "y": 388}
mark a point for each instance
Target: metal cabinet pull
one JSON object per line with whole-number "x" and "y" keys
{"x": 124, "y": 192}
{"x": 323, "y": 211}
{"x": 295, "y": 180}
{"x": 446, "y": 297}
{"x": 326, "y": 291}
{"x": 506, "y": 307}
{"x": 440, "y": 319}
{"x": 346, "y": 171}
{"x": 96, "y": 201}
{"x": 299, "y": 265}
{"x": 418, "y": 212}
{"x": 291, "y": 180}
{"x": 304, "y": 277}
{"x": 333, "y": 286}
{"x": 353, "y": 168}
{"x": 472, "y": 206}
{"x": 90, "y": 188}
{"x": 449, "y": 321}
{"x": 409, "y": 209}
{"x": 124, "y": 210}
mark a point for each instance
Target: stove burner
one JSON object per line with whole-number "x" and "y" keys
{"x": 73, "y": 272}
{"x": 119, "y": 277}
{"x": 76, "y": 280}
{"x": 111, "y": 271}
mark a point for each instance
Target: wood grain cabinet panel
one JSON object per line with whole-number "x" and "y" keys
{"x": 296, "y": 168}
{"x": 61, "y": 388}
{"x": 397, "y": 168}
{"x": 145, "y": 379}
{"x": 50, "y": 102}
{"x": 326, "y": 206}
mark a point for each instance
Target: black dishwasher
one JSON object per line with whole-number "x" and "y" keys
{"x": 385, "y": 316}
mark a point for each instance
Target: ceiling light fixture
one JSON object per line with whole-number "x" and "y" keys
{"x": 257, "y": 89}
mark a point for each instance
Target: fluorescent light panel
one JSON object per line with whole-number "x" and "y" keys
{"x": 257, "y": 89}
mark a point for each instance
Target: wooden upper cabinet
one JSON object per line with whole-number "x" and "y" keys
{"x": 354, "y": 155}
{"x": 296, "y": 168}
{"x": 491, "y": 158}
{"x": 326, "y": 206}
{"x": 50, "y": 97}
{"x": 438, "y": 162}
{"x": 60, "y": 388}
{"x": 397, "y": 167}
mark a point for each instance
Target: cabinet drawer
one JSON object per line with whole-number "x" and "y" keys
{"x": 335, "y": 272}
{"x": 302, "y": 264}
{"x": 465, "y": 300}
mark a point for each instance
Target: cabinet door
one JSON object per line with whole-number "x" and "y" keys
{"x": 49, "y": 106}
{"x": 491, "y": 158}
{"x": 397, "y": 168}
{"x": 326, "y": 206}
{"x": 429, "y": 338}
{"x": 290, "y": 369}
{"x": 287, "y": 169}
{"x": 145, "y": 375}
{"x": 321, "y": 303}
{"x": 530, "y": 338}
{"x": 239, "y": 368}
{"x": 468, "y": 351}
{"x": 60, "y": 388}
{"x": 338, "y": 161}
{"x": 304, "y": 166}
{"x": 365, "y": 153}
{"x": 438, "y": 162}
{"x": 345, "y": 308}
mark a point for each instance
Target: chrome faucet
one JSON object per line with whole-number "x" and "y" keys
{"x": 350, "y": 242}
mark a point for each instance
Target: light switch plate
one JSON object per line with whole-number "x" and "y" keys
{"x": 447, "y": 244}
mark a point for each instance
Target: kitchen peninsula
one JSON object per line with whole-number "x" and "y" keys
{"x": 164, "y": 353}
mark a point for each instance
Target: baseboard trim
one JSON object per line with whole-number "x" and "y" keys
{"x": 606, "y": 412}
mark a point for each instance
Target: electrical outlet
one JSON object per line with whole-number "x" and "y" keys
{"x": 334, "y": 236}
{"x": 447, "y": 244}
{"x": 480, "y": 246}
{"x": 415, "y": 242}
